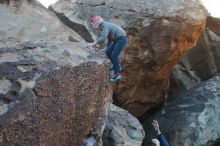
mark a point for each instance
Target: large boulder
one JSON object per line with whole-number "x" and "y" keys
{"x": 213, "y": 24}
{"x": 182, "y": 77}
{"x": 191, "y": 119}
{"x": 53, "y": 90}
{"x": 204, "y": 57}
{"x": 159, "y": 33}
{"x": 122, "y": 129}
{"x": 199, "y": 63}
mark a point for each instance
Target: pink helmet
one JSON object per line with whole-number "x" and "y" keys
{"x": 95, "y": 21}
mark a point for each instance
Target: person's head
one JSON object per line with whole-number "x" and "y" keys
{"x": 96, "y": 21}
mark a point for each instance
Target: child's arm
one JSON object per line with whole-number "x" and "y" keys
{"x": 101, "y": 38}
{"x": 103, "y": 35}
{"x": 161, "y": 138}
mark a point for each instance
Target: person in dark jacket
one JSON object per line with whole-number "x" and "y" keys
{"x": 117, "y": 40}
{"x": 160, "y": 137}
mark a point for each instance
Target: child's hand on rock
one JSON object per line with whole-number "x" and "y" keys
{"x": 91, "y": 45}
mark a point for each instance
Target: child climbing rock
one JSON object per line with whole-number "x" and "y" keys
{"x": 117, "y": 40}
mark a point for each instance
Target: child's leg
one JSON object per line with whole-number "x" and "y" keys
{"x": 109, "y": 51}
{"x": 119, "y": 45}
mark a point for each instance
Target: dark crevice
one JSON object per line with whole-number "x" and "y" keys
{"x": 111, "y": 7}
{"x": 94, "y": 5}
{"x": 78, "y": 28}
{"x": 217, "y": 142}
{"x": 6, "y": 100}
{"x": 150, "y": 113}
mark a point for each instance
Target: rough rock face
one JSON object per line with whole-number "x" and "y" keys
{"x": 191, "y": 119}
{"x": 122, "y": 129}
{"x": 182, "y": 77}
{"x": 204, "y": 57}
{"x": 213, "y": 24}
{"x": 201, "y": 62}
{"x": 206, "y": 64}
{"x": 159, "y": 33}
{"x": 53, "y": 90}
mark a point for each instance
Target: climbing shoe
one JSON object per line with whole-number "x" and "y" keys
{"x": 115, "y": 78}
{"x": 112, "y": 68}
